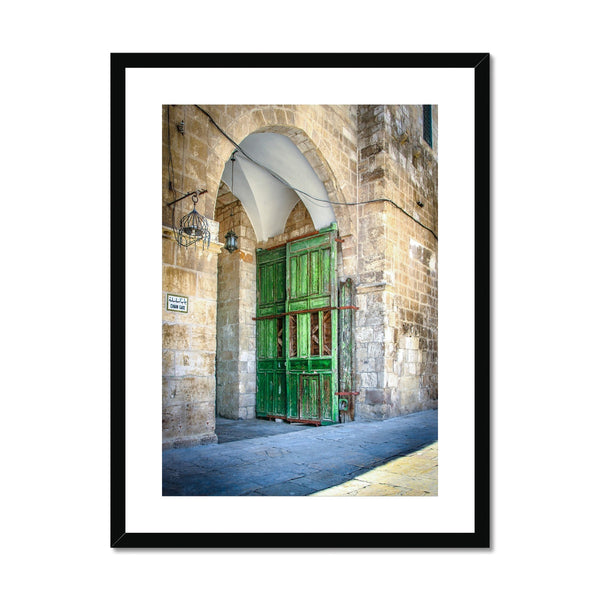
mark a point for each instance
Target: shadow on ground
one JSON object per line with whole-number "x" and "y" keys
{"x": 291, "y": 460}
{"x": 230, "y": 430}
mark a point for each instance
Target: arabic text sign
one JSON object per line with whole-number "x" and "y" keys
{"x": 177, "y": 303}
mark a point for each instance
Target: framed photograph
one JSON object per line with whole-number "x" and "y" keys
{"x": 300, "y": 258}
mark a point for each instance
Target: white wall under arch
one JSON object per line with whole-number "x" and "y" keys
{"x": 267, "y": 200}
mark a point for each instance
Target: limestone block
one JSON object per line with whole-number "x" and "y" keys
{"x": 391, "y": 380}
{"x": 210, "y": 312}
{"x": 200, "y": 417}
{"x": 374, "y": 396}
{"x": 378, "y": 335}
{"x": 192, "y": 257}
{"x": 364, "y": 335}
{"x": 173, "y": 421}
{"x": 175, "y": 336}
{"x": 413, "y": 356}
{"x": 194, "y": 364}
{"x": 409, "y": 383}
{"x": 203, "y": 338}
{"x": 362, "y": 359}
{"x": 180, "y": 390}
{"x": 368, "y": 380}
{"x": 248, "y": 400}
{"x": 375, "y": 350}
{"x": 247, "y": 412}
{"x": 247, "y": 385}
{"x": 246, "y": 356}
{"x": 410, "y": 400}
{"x": 179, "y": 281}
{"x": 207, "y": 286}
{"x": 168, "y": 362}
{"x": 398, "y": 357}
{"x": 197, "y": 310}
{"x": 411, "y": 342}
{"x": 168, "y": 251}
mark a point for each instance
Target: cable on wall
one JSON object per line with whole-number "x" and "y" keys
{"x": 308, "y": 196}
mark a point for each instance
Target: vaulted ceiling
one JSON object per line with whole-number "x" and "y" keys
{"x": 267, "y": 201}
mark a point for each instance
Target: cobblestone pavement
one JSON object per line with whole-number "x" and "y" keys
{"x": 393, "y": 457}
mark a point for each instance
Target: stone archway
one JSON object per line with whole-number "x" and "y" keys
{"x": 249, "y": 121}
{"x": 262, "y": 212}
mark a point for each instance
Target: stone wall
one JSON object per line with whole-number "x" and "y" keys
{"x": 236, "y": 307}
{"x": 189, "y": 343}
{"x": 396, "y": 324}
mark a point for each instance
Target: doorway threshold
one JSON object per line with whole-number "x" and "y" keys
{"x": 233, "y": 430}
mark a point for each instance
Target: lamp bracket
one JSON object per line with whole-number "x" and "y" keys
{"x": 194, "y": 193}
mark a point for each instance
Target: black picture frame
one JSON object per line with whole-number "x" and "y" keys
{"x": 480, "y": 537}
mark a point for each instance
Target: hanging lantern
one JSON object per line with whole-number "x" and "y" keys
{"x": 230, "y": 236}
{"x": 193, "y": 227}
{"x": 231, "y": 241}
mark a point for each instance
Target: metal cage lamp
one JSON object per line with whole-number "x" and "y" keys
{"x": 193, "y": 227}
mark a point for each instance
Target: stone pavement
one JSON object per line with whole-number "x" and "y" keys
{"x": 393, "y": 457}
{"x": 411, "y": 475}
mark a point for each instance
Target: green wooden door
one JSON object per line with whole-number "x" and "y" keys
{"x": 312, "y": 329}
{"x": 297, "y": 342}
{"x": 270, "y": 336}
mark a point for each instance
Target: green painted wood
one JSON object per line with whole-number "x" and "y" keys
{"x": 271, "y": 393}
{"x": 297, "y": 354}
{"x": 345, "y": 350}
{"x": 312, "y": 337}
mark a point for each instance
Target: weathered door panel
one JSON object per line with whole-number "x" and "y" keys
{"x": 309, "y": 398}
{"x": 297, "y": 330}
{"x": 271, "y": 282}
{"x": 345, "y": 352}
{"x": 327, "y": 399}
{"x": 271, "y": 391}
{"x": 312, "y": 334}
{"x": 311, "y": 271}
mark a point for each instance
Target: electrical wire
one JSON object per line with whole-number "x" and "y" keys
{"x": 306, "y": 194}
{"x": 170, "y": 163}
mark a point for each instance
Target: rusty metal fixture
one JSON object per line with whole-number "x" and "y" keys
{"x": 308, "y": 310}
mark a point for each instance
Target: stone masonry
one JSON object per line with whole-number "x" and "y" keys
{"x": 189, "y": 341}
{"x": 396, "y": 324}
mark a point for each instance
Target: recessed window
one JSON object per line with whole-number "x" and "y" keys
{"x": 427, "y": 126}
